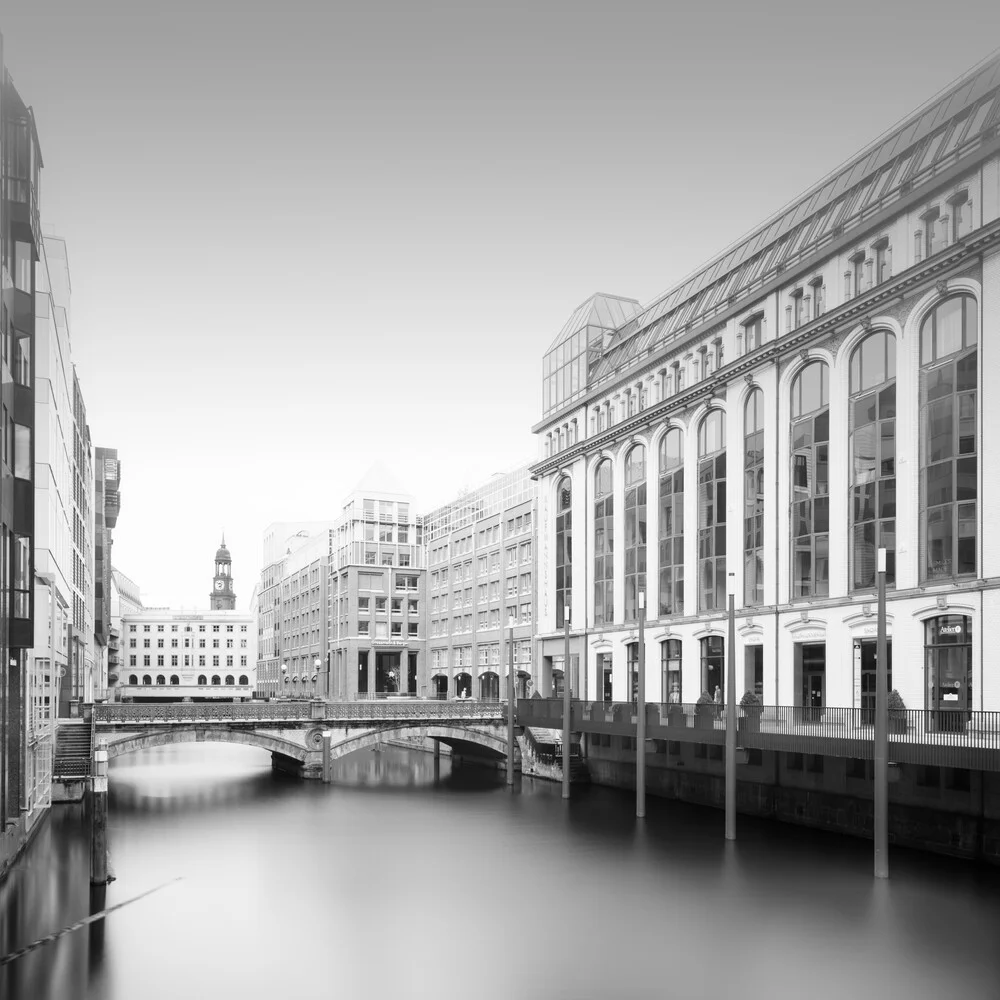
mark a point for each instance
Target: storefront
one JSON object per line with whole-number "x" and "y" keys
{"x": 948, "y": 671}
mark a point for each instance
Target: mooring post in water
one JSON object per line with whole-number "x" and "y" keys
{"x": 731, "y": 713}
{"x": 881, "y": 749}
{"x": 566, "y": 710}
{"x": 640, "y": 715}
{"x": 511, "y": 703}
{"x": 99, "y": 818}
{"x": 327, "y": 768}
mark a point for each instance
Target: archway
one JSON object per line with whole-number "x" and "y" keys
{"x": 489, "y": 686}
{"x": 463, "y": 685}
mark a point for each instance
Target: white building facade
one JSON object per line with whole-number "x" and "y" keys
{"x": 188, "y": 655}
{"x": 812, "y": 394}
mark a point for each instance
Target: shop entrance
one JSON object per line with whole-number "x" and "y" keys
{"x": 411, "y": 673}
{"x": 948, "y": 670}
{"x": 463, "y": 685}
{"x": 753, "y": 670}
{"x": 440, "y": 687}
{"x": 387, "y": 673}
{"x": 489, "y": 686}
{"x": 811, "y": 666}
{"x": 868, "y": 649}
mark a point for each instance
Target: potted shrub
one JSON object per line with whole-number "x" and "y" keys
{"x": 704, "y": 711}
{"x": 753, "y": 708}
{"x": 897, "y": 712}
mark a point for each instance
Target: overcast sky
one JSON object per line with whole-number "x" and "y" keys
{"x": 306, "y": 235}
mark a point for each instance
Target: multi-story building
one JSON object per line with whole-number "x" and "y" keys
{"x": 80, "y": 672}
{"x": 125, "y": 600}
{"x": 20, "y": 245}
{"x": 811, "y": 395}
{"x": 107, "y": 504}
{"x": 172, "y": 655}
{"x": 375, "y": 597}
{"x": 481, "y": 586}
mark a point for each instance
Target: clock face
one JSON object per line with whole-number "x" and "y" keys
{"x": 218, "y": 585}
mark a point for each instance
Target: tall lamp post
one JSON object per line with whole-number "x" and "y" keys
{"x": 284, "y": 677}
{"x": 317, "y": 663}
{"x": 731, "y": 713}
{"x": 640, "y": 717}
{"x": 881, "y": 749}
{"x": 566, "y": 707}
{"x": 510, "y": 701}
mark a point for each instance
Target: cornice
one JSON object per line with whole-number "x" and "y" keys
{"x": 938, "y": 268}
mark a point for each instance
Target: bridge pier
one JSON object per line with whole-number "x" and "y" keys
{"x": 99, "y": 818}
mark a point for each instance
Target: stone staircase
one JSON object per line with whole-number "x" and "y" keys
{"x": 73, "y": 749}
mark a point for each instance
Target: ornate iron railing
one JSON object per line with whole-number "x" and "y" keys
{"x": 955, "y": 738}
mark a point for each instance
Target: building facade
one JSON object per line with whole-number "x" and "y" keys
{"x": 811, "y": 395}
{"x": 481, "y": 587}
{"x": 125, "y": 600}
{"x": 20, "y": 246}
{"x": 107, "y": 504}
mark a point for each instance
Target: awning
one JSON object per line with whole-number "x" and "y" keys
{"x": 546, "y": 736}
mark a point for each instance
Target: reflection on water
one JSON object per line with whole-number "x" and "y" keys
{"x": 406, "y": 878}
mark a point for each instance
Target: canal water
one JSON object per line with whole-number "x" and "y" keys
{"x": 401, "y": 881}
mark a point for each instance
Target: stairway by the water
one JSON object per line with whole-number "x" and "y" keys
{"x": 73, "y": 749}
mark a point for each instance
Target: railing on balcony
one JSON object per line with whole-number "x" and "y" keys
{"x": 919, "y": 736}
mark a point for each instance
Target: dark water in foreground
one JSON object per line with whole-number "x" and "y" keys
{"x": 392, "y": 883}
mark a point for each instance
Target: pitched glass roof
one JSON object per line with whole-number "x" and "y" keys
{"x": 606, "y": 311}
{"x": 933, "y": 138}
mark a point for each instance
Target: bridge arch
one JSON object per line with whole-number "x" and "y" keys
{"x": 204, "y": 734}
{"x": 446, "y": 734}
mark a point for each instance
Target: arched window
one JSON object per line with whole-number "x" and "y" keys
{"x": 753, "y": 499}
{"x": 564, "y": 548}
{"x": 635, "y": 530}
{"x": 604, "y": 535}
{"x": 216, "y": 679}
{"x": 244, "y": 680}
{"x": 712, "y": 511}
{"x": 146, "y": 679}
{"x": 671, "y": 530}
{"x": 810, "y": 489}
{"x": 160, "y": 679}
{"x": 872, "y": 423}
{"x": 132, "y": 679}
{"x": 202, "y": 679}
{"x": 174, "y": 679}
{"x": 670, "y": 663}
{"x": 230, "y": 680}
{"x": 949, "y": 367}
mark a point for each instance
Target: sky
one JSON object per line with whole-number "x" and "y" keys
{"x": 306, "y": 237}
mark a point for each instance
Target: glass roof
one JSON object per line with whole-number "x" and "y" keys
{"x": 609, "y": 312}
{"x": 933, "y": 137}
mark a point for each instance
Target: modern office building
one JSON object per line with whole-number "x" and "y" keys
{"x": 480, "y": 584}
{"x": 20, "y": 247}
{"x": 812, "y": 394}
{"x": 107, "y": 504}
{"x": 80, "y": 673}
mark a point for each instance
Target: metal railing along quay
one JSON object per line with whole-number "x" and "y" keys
{"x": 949, "y": 738}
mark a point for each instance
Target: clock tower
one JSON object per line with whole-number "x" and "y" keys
{"x": 222, "y": 597}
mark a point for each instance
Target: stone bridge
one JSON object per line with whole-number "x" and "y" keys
{"x": 301, "y": 736}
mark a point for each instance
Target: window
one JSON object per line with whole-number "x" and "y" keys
{"x": 961, "y": 215}
{"x": 753, "y": 500}
{"x": 713, "y": 665}
{"x": 712, "y": 511}
{"x": 883, "y": 261}
{"x": 22, "y": 451}
{"x": 22, "y": 576}
{"x": 872, "y": 444}
{"x": 670, "y": 663}
{"x": 810, "y": 482}
{"x": 564, "y": 548}
{"x": 635, "y": 530}
{"x": 949, "y": 439}
{"x": 798, "y": 309}
{"x": 857, "y": 275}
{"x": 753, "y": 333}
{"x": 933, "y": 231}
{"x": 604, "y": 529}
{"x": 818, "y": 297}
{"x": 671, "y": 529}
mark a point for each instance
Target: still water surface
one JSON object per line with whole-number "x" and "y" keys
{"x": 399, "y": 882}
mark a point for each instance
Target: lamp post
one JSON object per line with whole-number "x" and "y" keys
{"x": 284, "y": 679}
{"x": 881, "y": 748}
{"x": 317, "y": 663}
{"x": 640, "y": 717}
{"x": 566, "y": 707}
{"x": 731, "y": 713}
{"x": 510, "y": 701}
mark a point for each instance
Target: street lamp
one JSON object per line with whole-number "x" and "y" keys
{"x": 284, "y": 672}
{"x": 640, "y": 716}
{"x": 510, "y": 701}
{"x": 566, "y": 705}
{"x": 881, "y": 748}
{"x": 316, "y": 665}
{"x": 731, "y": 713}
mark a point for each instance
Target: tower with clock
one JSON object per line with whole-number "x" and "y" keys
{"x": 222, "y": 597}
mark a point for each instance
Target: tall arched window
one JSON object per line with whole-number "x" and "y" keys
{"x": 604, "y": 534}
{"x": 244, "y": 680}
{"x": 216, "y": 679}
{"x": 174, "y": 679}
{"x": 811, "y": 481}
{"x": 949, "y": 447}
{"x": 635, "y": 530}
{"x": 873, "y": 458}
{"x": 202, "y": 679}
{"x": 753, "y": 499}
{"x": 564, "y": 547}
{"x": 672, "y": 523}
{"x": 712, "y": 511}
{"x": 670, "y": 669}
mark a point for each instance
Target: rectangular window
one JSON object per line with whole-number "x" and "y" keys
{"x": 753, "y": 333}
{"x": 22, "y": 451}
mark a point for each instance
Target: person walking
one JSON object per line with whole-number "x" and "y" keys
{"x": 718, "y": 702}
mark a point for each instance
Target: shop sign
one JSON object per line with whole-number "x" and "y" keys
{"x": 950, "y": 630}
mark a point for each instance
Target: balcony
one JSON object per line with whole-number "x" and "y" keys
{"x": 22, "y": 161}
